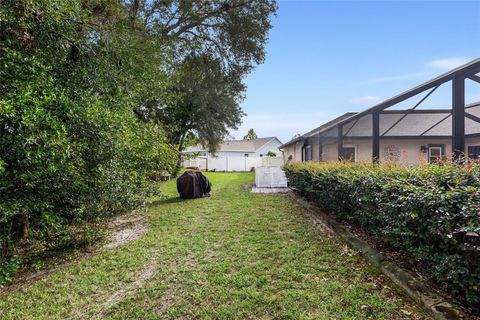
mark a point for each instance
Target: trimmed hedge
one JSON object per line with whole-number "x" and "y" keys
{"x": 431, "y": 212}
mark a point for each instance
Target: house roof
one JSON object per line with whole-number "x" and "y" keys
{"x": 412, "y": 123}
{"x": 321, "y": 128}
{"x": 396, "y": 123}
{"x": 470, "y": 70}
{"x": 407, "y": 123}
{"x": 236, "y": 145}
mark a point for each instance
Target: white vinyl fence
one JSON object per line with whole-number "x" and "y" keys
{"x": 232, "y": 163}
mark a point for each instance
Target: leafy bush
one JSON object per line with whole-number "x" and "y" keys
{"x": 430, "y": 212}
{"x": 8, "y": 267}
{"x": 72, "y": 152}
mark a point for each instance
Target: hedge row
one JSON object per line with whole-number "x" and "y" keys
{"x": 431, "y": 212}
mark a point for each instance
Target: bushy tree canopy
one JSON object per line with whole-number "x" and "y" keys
{"x": 75, "y": 78}
{"x": 71, "y": 149}
{"x": 202, "y": 103}
{"x": 250, "y": 135}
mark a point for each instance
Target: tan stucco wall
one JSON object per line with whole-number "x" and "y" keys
{"x": 410, "y": 153}
{"x": 288, "y": 151}
{"x": 330, "y": 152}
{"x": 471, "y": 142}
{"x": 315, "y": 152}
{"x": 294, "y": 150}
{"x": 408, "y": 149}
{"x": 364, "y": 148}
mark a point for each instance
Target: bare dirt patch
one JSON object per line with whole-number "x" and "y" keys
{"x": 142, "y": 277}
{"x": 125, "y": 229}
{"x": 120, "y": 230}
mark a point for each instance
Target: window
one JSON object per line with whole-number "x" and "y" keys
{"x": 348, "y": 152}
{"x": 308, "y": 153}
{"x": 474, "y": 152}
{"x": 435, "y": 152}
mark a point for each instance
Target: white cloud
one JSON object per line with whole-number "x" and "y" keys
{"x": 365, "y": 100}
{"x": 448, "y": 63}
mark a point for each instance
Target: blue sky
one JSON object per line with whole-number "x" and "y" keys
{"x": 325, "y": 58}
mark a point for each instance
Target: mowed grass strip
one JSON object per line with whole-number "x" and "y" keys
{"x": 235, "y": 255}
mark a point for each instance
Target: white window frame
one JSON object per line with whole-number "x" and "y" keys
{"x": 442, "y": 152}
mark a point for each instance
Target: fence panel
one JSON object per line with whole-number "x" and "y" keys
{"x": 233, "y": 163}
{"x": 217, "y": 164}
{"x": 236, "y": 163}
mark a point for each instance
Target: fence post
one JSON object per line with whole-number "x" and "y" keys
{"x": 458, "y": 116}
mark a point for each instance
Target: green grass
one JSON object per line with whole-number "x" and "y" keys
{"x": 235, "y": 255}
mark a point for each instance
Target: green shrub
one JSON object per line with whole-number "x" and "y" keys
{"x": 72, "y": 152}
{"x": 8, "y": 266}
{"x": 431, "y": 212}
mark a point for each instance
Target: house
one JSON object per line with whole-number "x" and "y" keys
{"x": 408, "y": 136}
{"x": 233, "y": 155}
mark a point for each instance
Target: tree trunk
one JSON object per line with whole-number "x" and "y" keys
{"x": 180, "y": 149}
{"x": 134, "y": 11}
{"x": 21, "y": 226}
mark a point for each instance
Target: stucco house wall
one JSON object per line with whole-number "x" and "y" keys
{"x": 289, "y": 153}
{"x": 330, "y": 152}
{"x": 405, "y": 151}
{"x": 409, "y": 150}
{"x": 364, "y": 148}
{"x": 293, "y": 150}
{"x": 316, "y": 152}
{"x": 472, "y": 142}
{"x": 402, "y": 136}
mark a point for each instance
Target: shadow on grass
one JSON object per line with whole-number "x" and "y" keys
{"x": 168, "y": 201}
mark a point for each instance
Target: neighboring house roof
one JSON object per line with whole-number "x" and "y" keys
{"x": 236, "y": 145}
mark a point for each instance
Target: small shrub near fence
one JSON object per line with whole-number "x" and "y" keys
{"x": 431, "y": 212}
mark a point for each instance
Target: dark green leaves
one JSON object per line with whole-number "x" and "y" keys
{"x": 426, "y": 211}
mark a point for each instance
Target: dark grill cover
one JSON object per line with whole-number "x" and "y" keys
{"x": 193, "y": 184}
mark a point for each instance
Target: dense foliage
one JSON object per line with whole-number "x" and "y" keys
{"x": 430, "y": 212}
{"x": 202, "y": 104}
{"x": 73, "y": 74}
{"x": 251, "y": 134}
{"x": 71, "y": 150}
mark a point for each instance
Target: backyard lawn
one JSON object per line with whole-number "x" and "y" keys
{"x": 235, "y": 255}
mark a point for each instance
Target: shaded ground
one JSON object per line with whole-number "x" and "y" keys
{"x": 235, "y": 255}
